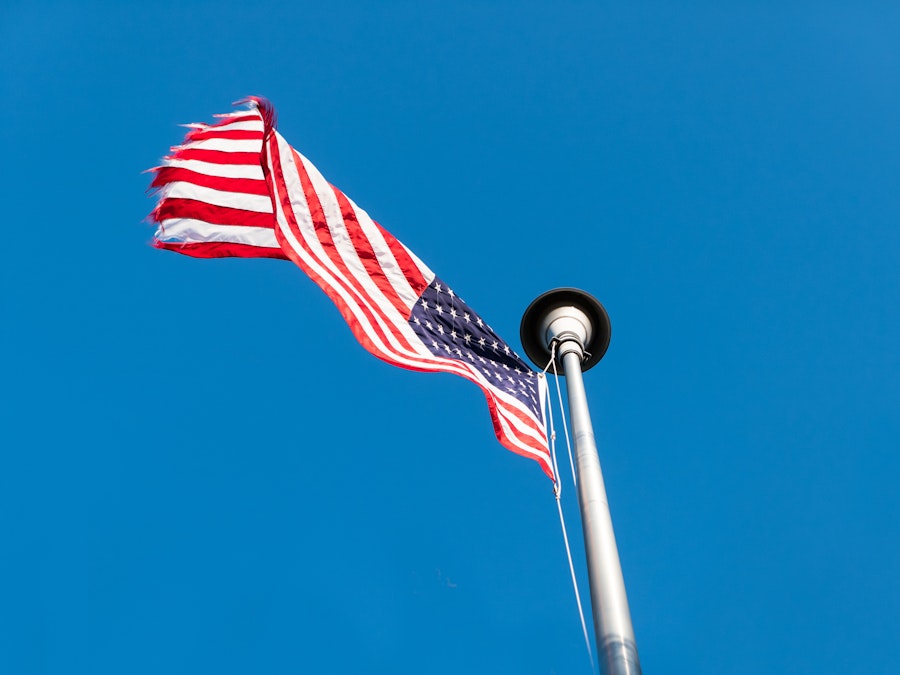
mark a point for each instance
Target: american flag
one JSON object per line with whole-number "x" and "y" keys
{"x": 237, "y": 188}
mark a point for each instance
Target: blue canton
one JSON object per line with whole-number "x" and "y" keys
{"x": 450, "y": 329}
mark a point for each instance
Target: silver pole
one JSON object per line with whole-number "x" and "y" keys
{"x": 616, "y": 647}
{"x": 577, "y": 324}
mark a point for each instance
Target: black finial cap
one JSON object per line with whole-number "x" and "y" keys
{"x": 532, "y": 330}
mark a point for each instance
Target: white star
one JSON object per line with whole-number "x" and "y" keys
{"x": 440, "y": 329}
{"x": 458, "y": 353}
{"x": 466, "y": 317}
{"x": 450, "y": 292}
{"x": 435, "y": 343}
{"x": 453, "y": 334}
{"x": 479, "y": 322}
{"x": 506, "y": 349}
{"x": 424, "y": 303}
{"x": 416, "y": 321}
{"x": 494, "y": 345}
{"x": 469, "y": 356}
{"x": 439, "y": 310}
{"x": 453, "y": 312}
{"x": 505, "y": 366}
{"x": 428, "y": 325}
{"x": 481, "y": 341}
{"x": 437, "y": 287}
{"x": 467, "y": 338}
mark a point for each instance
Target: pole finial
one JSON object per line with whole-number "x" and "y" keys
{"x": 573, "y": 318}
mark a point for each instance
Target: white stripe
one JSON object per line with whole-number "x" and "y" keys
{"x": 323, "y": 266}
{"x": 253, "y": 171}
{"x": 344, "y": 244}
{"x": 246, "y": 125}
{"x": 188, "y": 230}
{"x": 505, "y": 402}
{"x": 251, "y": 109}
{"x": 543, "y": 388}
{"x": 508, "y": 403}
{"x": 504, "y": 405}
{"x": 235, "y": 200}
{"x": 371, "y": 297}
{"x": 423, "y": 268}
{"x": 389, "y": 265}
{"x": 327, "y": 277}
{"x": 222, "y": 145}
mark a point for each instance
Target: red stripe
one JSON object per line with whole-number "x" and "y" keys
{"x": 344, "y": 279}
{"x": 367, "y": 254}
{"x": 519, "y": 414}
{"x": 324, "y": 234}
{"x": 410, "y": 269}
{"x": 316, "y": 212}
{"x": 496, "y": 403}
{"x": 217, "y": 156}
{"x": 230, "y": 134}
{"x": 220, "y": 249}
{"x": 513, "y": 440}
{"x": 361, "y": 244}
{"x": 516, "y": 443}
{"x": 251, "y": 116}
{"x": 169, "y": 174}
{"x": 210, "y": 213}
{"x": 349, "y": 285}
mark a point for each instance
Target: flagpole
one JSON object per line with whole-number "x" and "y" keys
{"x": 577, "y": 324}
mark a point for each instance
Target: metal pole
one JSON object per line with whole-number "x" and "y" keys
{"x": 617, "y": 651}
{"x": 578, "y": 325}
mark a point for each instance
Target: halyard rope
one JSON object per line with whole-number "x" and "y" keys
{"x": 557, "y": 491}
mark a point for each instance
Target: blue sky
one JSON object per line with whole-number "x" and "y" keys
{"x": 203, "y": 472}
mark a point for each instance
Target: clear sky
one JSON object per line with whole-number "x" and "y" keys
{"x": 202, "y": 471}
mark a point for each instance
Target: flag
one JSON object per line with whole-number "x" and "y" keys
{"x": 211, "y": 205}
